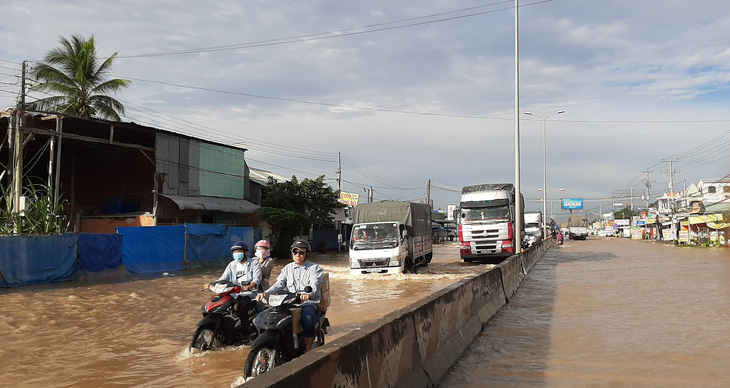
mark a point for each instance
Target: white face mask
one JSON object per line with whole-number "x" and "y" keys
{"x": 259, "y": 253}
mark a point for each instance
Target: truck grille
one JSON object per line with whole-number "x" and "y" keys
{"x": 482, "y": 234}
{"x": 374, "y": 263}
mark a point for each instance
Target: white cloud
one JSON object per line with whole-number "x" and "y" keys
{"x": 617, "y": 67}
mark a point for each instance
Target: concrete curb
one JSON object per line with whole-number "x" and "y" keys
{"x": 414, "y": 346}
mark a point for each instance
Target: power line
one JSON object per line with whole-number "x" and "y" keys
{"x": 338, "y": 33}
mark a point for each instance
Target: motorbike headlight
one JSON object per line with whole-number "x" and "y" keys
{"x": 354, "y": 263}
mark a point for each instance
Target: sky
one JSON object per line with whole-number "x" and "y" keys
{"x": 410, "y": 92}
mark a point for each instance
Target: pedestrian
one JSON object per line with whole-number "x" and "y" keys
{"x": 242, "y": 270}
{"x": 262, "y": 251}
{"x": 294, "y": 278}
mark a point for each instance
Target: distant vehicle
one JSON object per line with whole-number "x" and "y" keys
{"x": 451, "y": 230}
{"x": 390, "y": 237}
{"x": 486, "y": 222}
{"x": 603, "y": 233}
{"x": 533, "y": 227}
{"x": 438, "y": 233}
{"x": 577, "y": 227}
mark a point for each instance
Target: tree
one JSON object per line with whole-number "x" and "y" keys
{"x": 624, "y": 214}
{"x": 292, "y": 208}
{"x": 74, "y": 74}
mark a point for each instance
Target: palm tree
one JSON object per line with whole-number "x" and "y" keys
{"x": 73, "y": 73}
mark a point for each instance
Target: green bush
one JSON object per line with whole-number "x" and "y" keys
{"x": 43, "y": 214}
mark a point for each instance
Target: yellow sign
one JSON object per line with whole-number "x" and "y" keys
{"x": 718, "y": 225}
{"x": 705, "y": 218}
{"x": 349, "y": 198}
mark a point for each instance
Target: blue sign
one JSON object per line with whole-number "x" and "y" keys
{"x": 572, "y": 203}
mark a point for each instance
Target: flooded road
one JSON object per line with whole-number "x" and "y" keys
{"x": 137, "y": 332}
{"x": 609, "y": 312}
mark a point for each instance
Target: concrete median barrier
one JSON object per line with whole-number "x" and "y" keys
{"x": 411, "y": 347}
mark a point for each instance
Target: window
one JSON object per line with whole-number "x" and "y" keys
{"x": 710, "y": 189}
{"x": 726, "y": 189}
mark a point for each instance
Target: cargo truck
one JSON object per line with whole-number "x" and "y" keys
{"x": 577, "y": 227}
{"x": 390, "y": 237}
{"x": 487, "y": 215}
{"x": 533, "y": 227}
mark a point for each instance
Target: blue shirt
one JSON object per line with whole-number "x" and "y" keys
{"x": 241, "y": 272}
{"x": 294, "y": 278}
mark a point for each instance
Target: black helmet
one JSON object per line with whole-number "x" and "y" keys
{"x": 239, "y": 245}
{"x": 301, "y": 244}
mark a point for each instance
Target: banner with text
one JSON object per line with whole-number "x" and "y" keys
{"x": 572, "y": 203}
{"x": 349, "y": 198}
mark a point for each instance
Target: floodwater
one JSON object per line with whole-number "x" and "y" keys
{"x": 609, "y": 312}
{"x": 136, "y": 332}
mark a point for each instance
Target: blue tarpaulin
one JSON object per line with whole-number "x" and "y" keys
{"x": 153, "y": 249}
{"x": 38, "y": 259}
{"x": 240, "y": 233}
{"x": 98, "y": 252}
{"x": 209, "y": 245}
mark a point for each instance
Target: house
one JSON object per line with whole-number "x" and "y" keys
{"x": 701, "y": 211}
{"x": 124, "y": 174}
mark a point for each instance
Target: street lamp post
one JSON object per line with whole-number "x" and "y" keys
{"x": 544, "y": 165}
{"x": 551, "y": 199}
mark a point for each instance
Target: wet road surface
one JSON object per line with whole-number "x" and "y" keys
{"x": 609, "y": 312}
{"x": 136, "y": 332}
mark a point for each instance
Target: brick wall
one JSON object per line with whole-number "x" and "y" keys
{"x": 109, "y": 225}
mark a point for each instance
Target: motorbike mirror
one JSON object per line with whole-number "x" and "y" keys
{"x": 308, "y": 289}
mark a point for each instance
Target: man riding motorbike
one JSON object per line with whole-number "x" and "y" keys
{"x": 241, "y": 270}
{"x": 295, "y": 277}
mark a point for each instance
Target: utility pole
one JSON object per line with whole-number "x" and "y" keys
{"x": 19, "y": 125}
{"x": 671, "y": 194}
{"x": 648, "y": 187}
{"x": 339, "y": 171}
{"x": 671, "y": 183}
{"x": 428, "y": 192}
{"x": 631, "y": 197}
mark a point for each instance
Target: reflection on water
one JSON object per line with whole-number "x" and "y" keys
{"x": 609, "y": 312}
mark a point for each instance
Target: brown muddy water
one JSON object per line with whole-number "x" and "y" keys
{"x": 111, "y": 332}
{"x": 609, "y": 312}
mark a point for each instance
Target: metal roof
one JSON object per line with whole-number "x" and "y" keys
{"x": 228, "y": 205}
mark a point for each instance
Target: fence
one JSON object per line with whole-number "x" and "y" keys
{"x": 28, "y": 260}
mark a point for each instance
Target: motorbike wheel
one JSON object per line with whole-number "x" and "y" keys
{"x": 204, "y": 338}
{"x": 262, "y": 359}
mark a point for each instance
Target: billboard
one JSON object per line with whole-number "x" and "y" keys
{"x": 349, "y": 198}
{"x": 572, "y": 203}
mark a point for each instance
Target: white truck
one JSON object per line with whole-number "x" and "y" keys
{"x": 533, "y": 227}
{"x": 390, "y": 237}
{"x": 486, "y": 222}
{"x": 577, "y": 227}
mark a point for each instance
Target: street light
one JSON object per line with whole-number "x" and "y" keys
{"x": 551, "y": 199}
{"x": 544, "y": 164}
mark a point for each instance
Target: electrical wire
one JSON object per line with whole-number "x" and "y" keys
{"x": 338, "y": 33}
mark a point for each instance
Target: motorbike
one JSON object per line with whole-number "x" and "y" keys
{"x": 278, "y": 342}
{"x": 560, "y": 239}
{"x": 221, "y": 325}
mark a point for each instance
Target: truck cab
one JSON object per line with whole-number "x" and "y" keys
{"x": 378, "y": 247}
{"x": 486, "y": 222}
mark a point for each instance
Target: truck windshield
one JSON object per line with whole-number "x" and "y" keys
{"x": 374, "y": 236}
{"x": 485, "y": 213}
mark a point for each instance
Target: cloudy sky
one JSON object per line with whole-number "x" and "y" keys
{"x": 410, "y": 91}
